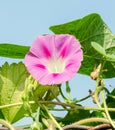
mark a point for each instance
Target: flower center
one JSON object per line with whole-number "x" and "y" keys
{"x": 56, "y": 65}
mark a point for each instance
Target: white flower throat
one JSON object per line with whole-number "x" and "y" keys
{"x": 56, "y": 65}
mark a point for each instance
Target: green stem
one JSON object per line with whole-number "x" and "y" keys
{"x": 111, "y": 96}
{"x": 57, "y": 109}
{"x": 94, "y": 119}
{"x": 53, "y": 119}
{"x": 15, "y": 104}
{"x": 62, "y": 94}
{"x": 96, "y": 94}
{"x": 97, "y": 98}
{"x": 80, "y": 100}
{"x": 97, "y": 91}
{"x": 106, "y": 110}
{"x": 6, "y": 124}
{"x": 60, "y": 104}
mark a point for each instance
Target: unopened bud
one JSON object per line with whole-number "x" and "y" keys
{"x": 96, "y": 72}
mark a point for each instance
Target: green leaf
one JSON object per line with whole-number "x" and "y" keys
{"x": 12, "y": 82}
{"x": 96, "y": 114}
{"x": 75, "y": 115}
{"x": 90, "y": 29}
{"x": 13, "y": 51}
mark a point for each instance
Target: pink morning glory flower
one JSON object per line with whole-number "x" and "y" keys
{"x": 54, "y": 59}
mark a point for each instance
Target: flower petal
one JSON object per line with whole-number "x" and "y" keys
{"x": 66, "y": 45}
{"x": 41, "y": 47}
{"x": 54, "y": 59}
{"x": 35, "y": 67}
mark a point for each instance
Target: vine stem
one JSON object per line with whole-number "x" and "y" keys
{"x": 53, "y": 119}
{"x": 93, "y": 119}
{"x": 97, "y": 85}
{"x": 58, "y": 103}
{"x": 82, "y": 99}
{"x": 106, "y": 109}
{"x": 60, "y": 90}
{"x": 7, "y": 124}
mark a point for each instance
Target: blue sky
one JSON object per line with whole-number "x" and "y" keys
{"x": 22, "y": 21}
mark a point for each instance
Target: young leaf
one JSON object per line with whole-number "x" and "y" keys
{"x": 90, "y": 29}
{"x": 98, "y": 48}
{"x": 13, "y": 51}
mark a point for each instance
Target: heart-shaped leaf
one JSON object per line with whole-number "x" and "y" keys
{"x": 90, "y": 29}
{"x": 12, "y": 82}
